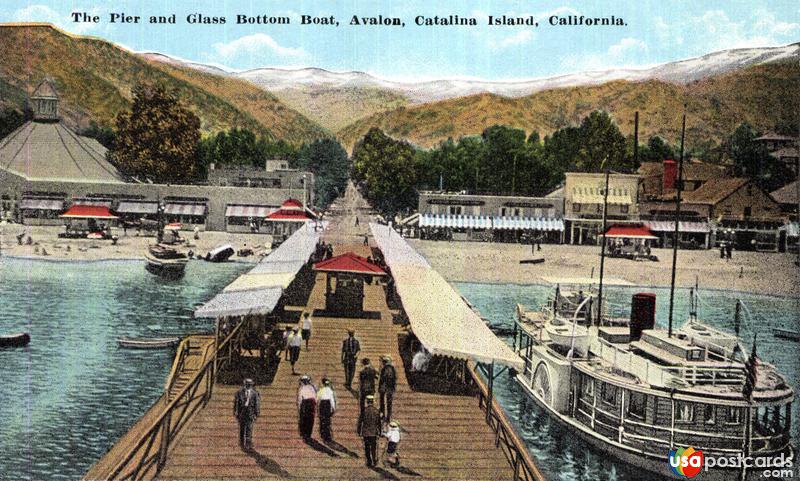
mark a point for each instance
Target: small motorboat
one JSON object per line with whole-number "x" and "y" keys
{"x": 165, "y": 261}
{"x": 220, "y": 254}
{"x": 147, "y": 342}
{"x": 20, "y": 339}
{"x": 786, "y": 334}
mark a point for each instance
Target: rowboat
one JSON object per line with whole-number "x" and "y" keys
{"x": 20, "y": 339}
{"x": 786, "y": 334}
{"x": 147, "y": 342}
{"x": 165, "y": 261}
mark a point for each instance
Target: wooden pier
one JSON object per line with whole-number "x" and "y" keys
{"x": 445, "y": 436}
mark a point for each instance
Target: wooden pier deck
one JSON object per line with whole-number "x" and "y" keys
{"x": 445, "y": 436}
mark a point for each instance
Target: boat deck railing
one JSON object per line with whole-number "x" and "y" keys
{"x": 147, "y": 454}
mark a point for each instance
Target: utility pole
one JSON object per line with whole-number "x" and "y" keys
{"x": 602, "y": 254}
{"x": 676, "y": 234}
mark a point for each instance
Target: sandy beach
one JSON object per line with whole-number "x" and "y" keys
{"x": 763, "y": 273}
{"x": 128, "y": 246}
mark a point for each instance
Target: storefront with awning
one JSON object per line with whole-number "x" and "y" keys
{"x": 188, "y": 214}
{"x": 41, "y": 210}
{"x": 89, "y": 217}
{"x": 691, "y": 234}
{"x": 497, "y": 227}
{"x": 247, "y": 217}
{"x": 629, "y": 241}
{"x": 438, "y": 316}
{"x": 288, "y": 218}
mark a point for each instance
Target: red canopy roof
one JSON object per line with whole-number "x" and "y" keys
{"x": 290, "y": 215}
{"x": 88, "y": 212}
{"x": 349, "y": 262}
{"x": 630, "y": 232}
{"x": 292, "y": 203}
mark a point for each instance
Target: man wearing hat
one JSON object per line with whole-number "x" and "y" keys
{"x": 369, "y": 428}
{"x": 386, "y": 386}
{"x": 295, "y": 341}
{"x": 246, "y": 407}
{"x": 366, "y": 382}
{"x": 350, "y": 349}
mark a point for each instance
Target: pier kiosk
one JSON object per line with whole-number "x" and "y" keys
{"x": 344, "y": 283}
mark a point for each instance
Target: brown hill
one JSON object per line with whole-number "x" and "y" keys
{"x": 765, "y": 96}
{"x": 94, "y": 79}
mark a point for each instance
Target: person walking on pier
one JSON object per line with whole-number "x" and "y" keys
{"x": 369, "y": 428}
{"x": 246, "y": 408}
{"x": 295, "y": 341}
{"x": 306, "y": 407}
{"x": 366, "y": 383}
{"x": 326, "y": 406}
{"x": 306, "y": 332}
{"x": 350, "y": 349}
{"x": 285, "y": 346}
{"x": 386, "y": 387}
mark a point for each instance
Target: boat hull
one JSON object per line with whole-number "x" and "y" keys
{"x": 15, "y": 340}
{"x": 167, "y": 268}
{"x": 153, "y": 343}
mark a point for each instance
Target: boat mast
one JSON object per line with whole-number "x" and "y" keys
{"x": 602, "y": 254}
{"x": 678, "y": 185}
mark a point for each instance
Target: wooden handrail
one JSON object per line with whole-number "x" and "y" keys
{"x": 164, "y": 425}
{"x": 505, "y": 436}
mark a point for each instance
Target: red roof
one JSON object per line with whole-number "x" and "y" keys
{"x": 630, "y": 232}
{"x": 290, "y": 215}
{"x": 292, "y": 203}
{"x": 88, "y": 212}
{"x": 349, "y": 262}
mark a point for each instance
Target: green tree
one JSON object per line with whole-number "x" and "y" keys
{"x": 104, "y": 135}
{"x": 503, "y": 146}
{"x": 602, "y": 145}
{"x": 386, "y": 168}
{"x": 11, "y": 120}
{"x": 656, "y": 150}
{"x": 751, "y": 159}
{"x": 328, "y": 160}
{"x": 157, "y": 138}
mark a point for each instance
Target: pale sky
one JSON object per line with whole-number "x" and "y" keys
{"x": 655, "y": 32}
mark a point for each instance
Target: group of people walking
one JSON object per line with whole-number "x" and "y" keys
{"x": 313, "y": 402}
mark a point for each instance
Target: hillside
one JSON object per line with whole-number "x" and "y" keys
{"x": 762, "y": 95}
{"x": 95, "y": 77}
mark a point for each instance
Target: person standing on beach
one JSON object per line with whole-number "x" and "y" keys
{"x": 366, "y": 383}
{"x": 326, "y": 407}
{"x": 306, "y": 328}
{"x": 295, "y": 341}
{"x": 306, "y": 407}
{"x": 246, "y": 408}
{"x": 386, "y": 386}
{"x": 369, "y": 428}
{"x": 350, "y": 349}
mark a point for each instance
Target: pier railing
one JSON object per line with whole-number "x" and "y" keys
{"x": 147, "y": 455}
{"x": 506, "y": 438}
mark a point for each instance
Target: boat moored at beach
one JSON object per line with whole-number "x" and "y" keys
{"x": 165, "y": 261}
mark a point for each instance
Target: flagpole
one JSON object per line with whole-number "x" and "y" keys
{"x": 677, "y": 226}
{"x": 602, "y": 253}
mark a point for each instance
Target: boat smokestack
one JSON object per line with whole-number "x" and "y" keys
{"x": 643, "y": 314}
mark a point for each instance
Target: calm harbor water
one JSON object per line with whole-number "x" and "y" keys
{"x": 68, "y": 396}
{"x": 563, "y": 457}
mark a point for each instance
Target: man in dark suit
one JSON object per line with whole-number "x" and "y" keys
{"x": 369, "y": 428}
{"x": 366, "y": 382}
{"x": 350, "y": 349}
{"x": 386, "y": 386}
{"x": 246, "y": 408}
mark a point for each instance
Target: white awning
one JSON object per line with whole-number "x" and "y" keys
{"x": 683, "y": 226}
{"x": 439, "y": 317}
{"x": 273, "y": 274}
{"x": 185, "y": 209}
{"x": 237, "y": 210}
{"x": 240, "y": 303}
{"x": 41, "y": 204}
{"x": 792, "y": 229}
{"x": 93, "y": 202}
{"x": 137, "y": 207}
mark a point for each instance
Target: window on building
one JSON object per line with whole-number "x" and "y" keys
{"x": 684, "y": 412}
{"x": 694, "y": 355}
{"x": 588, "y": 387}
{"x": 733, "y": 415}
{"x": 748, "y": 211}
{"x": 637, "y": 405}
{"x": 709, "y": 414}
{"x": 455, "y": 210}
{"x": 502, "y": 212}
{"x": 517, "y": 212}
{"x": 609, "y": 393}
{"x": 624, "y": 208}
{"x": 599, "y": 208}
{"x": 576, "y": 207}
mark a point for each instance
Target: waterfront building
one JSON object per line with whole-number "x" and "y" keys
{"x": 46, "y": 168}
{"x": 460, "y": 216}
{"x": 583, "y": 204}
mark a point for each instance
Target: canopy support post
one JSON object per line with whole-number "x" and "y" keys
{"x": 490, "y": 392}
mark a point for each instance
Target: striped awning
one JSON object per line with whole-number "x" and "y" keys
{"x": 185, "y": 209}
{"x": 683, "y": 226}
{"x": 544, "y": 224}
{"x": 41, "y": 204}
{"x": 486, "y": 222}
{"x": 242, "y": 210}
{"x": 137, "y": 207}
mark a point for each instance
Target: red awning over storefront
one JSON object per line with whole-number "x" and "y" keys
{"x": 629, "y": 232}
{"x": 350, "y": 263}
{"x": 88, "y": 212}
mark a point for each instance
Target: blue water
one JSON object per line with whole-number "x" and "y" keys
{"x": 68, "y": 396}
{"x": 559, "y": 454}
